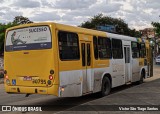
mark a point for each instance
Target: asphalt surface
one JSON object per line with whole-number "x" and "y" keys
{"x": 147, "y": 93}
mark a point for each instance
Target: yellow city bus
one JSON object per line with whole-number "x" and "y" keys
{"x": 66, "y": 61}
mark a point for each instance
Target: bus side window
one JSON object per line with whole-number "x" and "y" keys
{"x": 83, "y": 54}
{"x": 117, "y": 49}
{"x": 142, "y": 50}
{"x": 135, "y": 49}
{"x": 88, "y": 55}
{"x": 95, "y": 44}
{"x": 104, "y": 48}
{"x": 68, "y": 46}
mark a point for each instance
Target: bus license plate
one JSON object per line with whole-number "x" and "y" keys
{"x": 27, "y": 78}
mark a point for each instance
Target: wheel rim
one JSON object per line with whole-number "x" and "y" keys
{"x": 106, "y": 87}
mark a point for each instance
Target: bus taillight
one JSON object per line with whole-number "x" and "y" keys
{"x": 50, "y": 77}
{"x": 6, "y": 77}
{"x": 7, "y": 80}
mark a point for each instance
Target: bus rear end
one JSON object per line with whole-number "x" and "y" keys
{"x": 29, "y": 60}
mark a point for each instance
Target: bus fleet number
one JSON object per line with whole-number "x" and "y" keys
{"x": 39, "y": 81}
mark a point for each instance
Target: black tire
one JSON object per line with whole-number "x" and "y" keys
{"x": 106, "y": 87}
{"x": 142, "y": 78}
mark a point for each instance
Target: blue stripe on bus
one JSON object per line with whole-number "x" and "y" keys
{"x": 33, "y": 46}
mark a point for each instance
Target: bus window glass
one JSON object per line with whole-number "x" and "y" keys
{"x": 104, "y": 47}
{"x": 68, "y": 45}
{"x": 88, "y": 55}
{"x": 117, "y": 49}
{"x": 30, "y": 38}
{"x": 142, "y": 50}
{"x": 95, "y": 47}
{"x": 135, "y": 49}
{"x": 83, "y": 54}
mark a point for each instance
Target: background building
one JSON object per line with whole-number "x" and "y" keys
{"x": 148, "y": 33}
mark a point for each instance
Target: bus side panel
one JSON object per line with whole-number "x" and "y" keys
{"x": 118, "y": 76}
{"x": 70, "y": 76}
{"x": 101, "y": 67}
{"x": 135, "y": 69}
{"x": 118, "y": 70}
{"x": 71, "y": 82}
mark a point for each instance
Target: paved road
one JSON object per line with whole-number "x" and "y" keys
{"x": 20, "y": 99}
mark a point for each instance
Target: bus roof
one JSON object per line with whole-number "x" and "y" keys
{"x": 79, "y": 30}
{"x": 29, "y": 25}
{"x": 122, "y": 37}
{"x": 94, "y": 32}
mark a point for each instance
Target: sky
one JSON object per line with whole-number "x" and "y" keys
{"x": 138, "y": 14}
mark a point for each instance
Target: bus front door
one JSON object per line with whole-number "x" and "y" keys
{"x": 86, "y": 66}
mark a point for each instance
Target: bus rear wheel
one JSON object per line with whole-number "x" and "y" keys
{"x": 106, "y": 87}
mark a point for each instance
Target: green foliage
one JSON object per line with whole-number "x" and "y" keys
{"x": 101, "y": 20}
{"x": 134, "y": 33}
{"x": 17, "y": 21}
{"x": 3, "y": 28}
{"x": 2, "y": 42}
{"x": 1, "y": 75}
{"x": 156, "y": 26}
{"x": 21, "y": 20}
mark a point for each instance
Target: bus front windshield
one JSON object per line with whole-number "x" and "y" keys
{"x": 29, "y": 38}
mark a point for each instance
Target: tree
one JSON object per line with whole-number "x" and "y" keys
{"x": 21, "y": 20}
{"x": 101, "y": 20}
{"x": 156, "y": 26}
{"x": 1, "y": 42}
{"x": 3, "y": 28}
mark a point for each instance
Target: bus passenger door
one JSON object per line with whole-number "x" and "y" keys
{"x": 86, "y": 66}
{"x": 127, "y": 64}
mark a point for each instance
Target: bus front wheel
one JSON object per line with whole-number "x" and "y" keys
{"x": 106, "y": 86}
